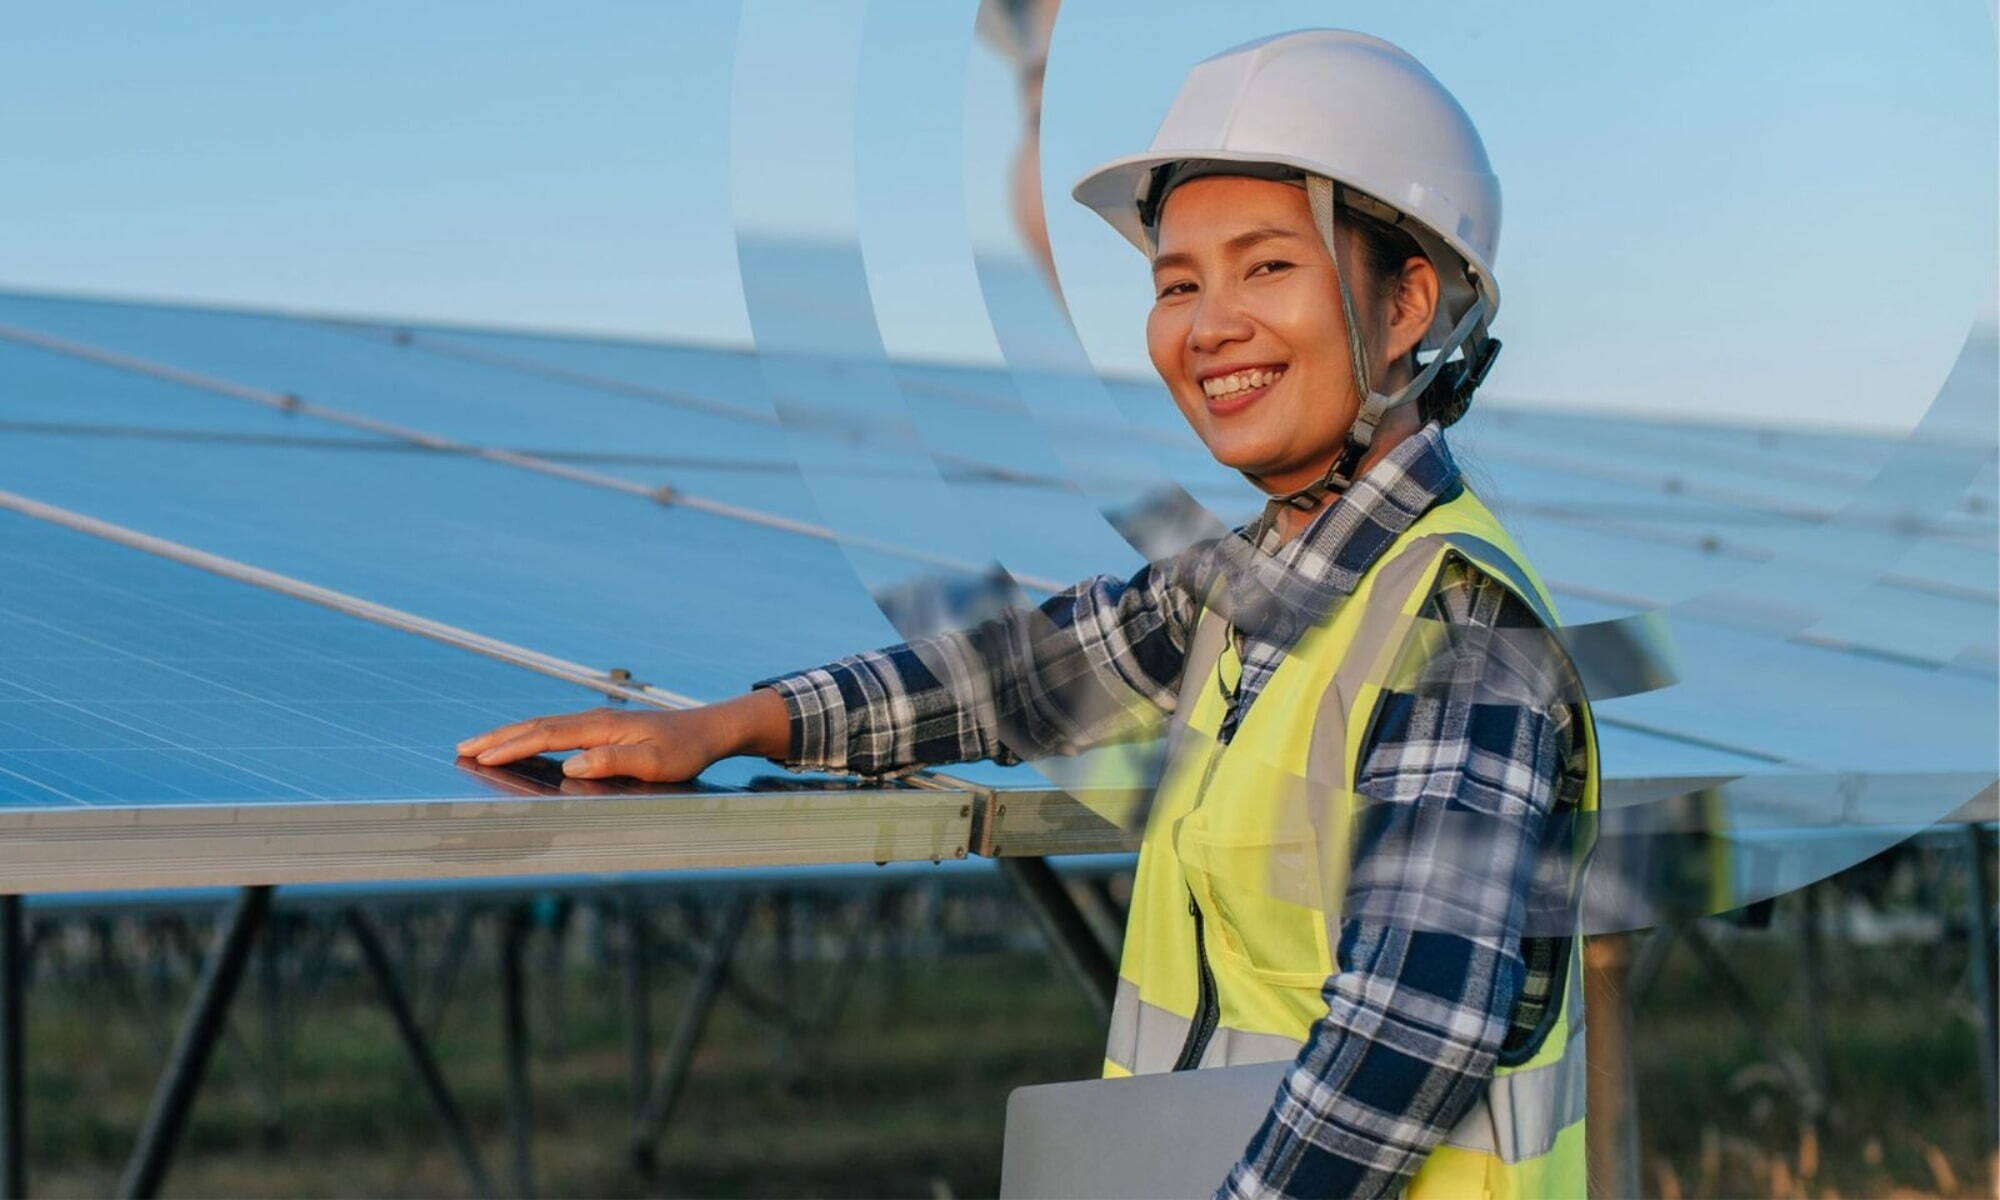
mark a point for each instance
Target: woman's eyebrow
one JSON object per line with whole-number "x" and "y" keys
{"x": 1236, "y": 245}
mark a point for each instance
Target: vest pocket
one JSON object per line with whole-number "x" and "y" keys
{"x": 1261, "y": 894}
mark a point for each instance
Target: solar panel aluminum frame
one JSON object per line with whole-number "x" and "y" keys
{"x": 171, "y": 846}
{"x": 1033, "y": 822}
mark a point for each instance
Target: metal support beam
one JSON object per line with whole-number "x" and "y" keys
{"x": 1104, "y": 913}
{"x": 868, "y": 916}
{"x": 444, "y": 973}
{"x": 432, "y": 1079}
{"x": 695, "y": 1010}
{"x": 1069, "y": 934}
{"x": 514, "y": 1026}
{"x": 13, "y": 1120}
{"x": 160, "y": 1136}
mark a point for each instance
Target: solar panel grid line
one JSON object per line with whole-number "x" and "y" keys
{"x": 42, "y": 784}
{"x": 407, "y": 338}
{"x": 240, "y": 765}
{"x": 1673, "y": 484}
{"x": 818, "y": 421}
{"x": 1709, "y": 543}
{"x": 664, "y": 495}
{"x": 1511, "y": 414}
{"x": 602, "y": 681}
{"x": 1711, "y": 614}
{"x": 1798, "y": 452}
{"x": 100, "y": 714}
{"x": 316, "y": 441}
{"x": 163, "y": 433}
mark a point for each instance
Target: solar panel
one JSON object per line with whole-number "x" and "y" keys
{"x": 163, "y": 724}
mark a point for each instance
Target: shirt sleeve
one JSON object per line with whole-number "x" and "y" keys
{"x": 1456, "y": 795}
{"x": 1095, "y": 663}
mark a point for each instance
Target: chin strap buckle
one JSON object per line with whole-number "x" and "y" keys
{"x": 1475, "y": 370}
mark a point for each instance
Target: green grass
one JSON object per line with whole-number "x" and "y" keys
{"x": 905, "y": 1096}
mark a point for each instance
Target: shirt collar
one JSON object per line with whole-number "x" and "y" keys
{"x": 1287, "y": 589}
{"x": 1345, "y": 538}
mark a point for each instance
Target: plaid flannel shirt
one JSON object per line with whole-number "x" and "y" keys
{"x": 1420, "y": 1006}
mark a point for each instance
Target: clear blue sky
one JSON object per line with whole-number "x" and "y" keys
{"x": 1762, "y": 210}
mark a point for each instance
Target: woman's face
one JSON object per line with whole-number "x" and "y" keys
{"x": 1246, "y": 327}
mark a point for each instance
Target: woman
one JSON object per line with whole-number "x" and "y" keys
{"x": 1381, "y": 762}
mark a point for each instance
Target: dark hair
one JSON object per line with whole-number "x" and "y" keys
{"x": 1385, "y": 248}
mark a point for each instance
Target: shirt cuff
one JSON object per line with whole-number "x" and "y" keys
{"x": 818, "y": 739}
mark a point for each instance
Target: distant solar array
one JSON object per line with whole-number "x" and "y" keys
{"x": 635, "y": 514}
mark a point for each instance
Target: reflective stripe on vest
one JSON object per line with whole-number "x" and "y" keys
{"x": 1147, "y": 1033}
{"x": 1255, "y": 833}
{"x": 1525, "y": 1108}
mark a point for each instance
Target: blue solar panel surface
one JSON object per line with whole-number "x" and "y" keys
{"x": 1819, "y": 626}
{"x": 128, "y": 679}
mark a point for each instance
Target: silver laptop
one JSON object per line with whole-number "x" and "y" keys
{"x": 1149, "y": 1137}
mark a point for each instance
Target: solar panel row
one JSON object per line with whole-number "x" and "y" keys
{"x": 1833, "y": 633}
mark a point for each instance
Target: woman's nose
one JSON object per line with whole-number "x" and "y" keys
{"x": 1218, "y": 320}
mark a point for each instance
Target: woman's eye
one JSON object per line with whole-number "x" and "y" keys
{"x": 1182, "y": 288}
{"x": 1270, "y": 268}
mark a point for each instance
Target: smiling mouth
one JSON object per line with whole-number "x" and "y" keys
{"x": 1227, "y": 392}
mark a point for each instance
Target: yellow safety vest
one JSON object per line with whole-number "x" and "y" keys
{"x": 1236, "y": 903}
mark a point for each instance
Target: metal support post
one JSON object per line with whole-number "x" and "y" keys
{"x": 514, "y": 1025}
{"x": 1613, "y": 1125}
{"x": 669, "y": 1083}
{"x": 638, "y": 1005}
{"x": 1814, "y": 955}
{"x": 432, "y": 1079}
{"x": 271, "y": 1013}
{"x": 1979, "y": 864}
{"x": 159, "y": 1137}
{"x": 13, "y": 1120}
{"x": 558, "y": 918}
{"x": 786, "y": 969}
{"x": 1069, "y": 934}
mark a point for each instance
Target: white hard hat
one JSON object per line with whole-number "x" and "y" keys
{"x": 1363, "y": 123}
{"x": 1342, "y": 105}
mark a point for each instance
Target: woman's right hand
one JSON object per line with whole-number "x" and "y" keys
{"x": 650, "y": 744}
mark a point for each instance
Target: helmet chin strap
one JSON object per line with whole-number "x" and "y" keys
{"x": 1323, "y": 194}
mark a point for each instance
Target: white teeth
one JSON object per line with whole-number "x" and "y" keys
{"x": 1236, "y": 381}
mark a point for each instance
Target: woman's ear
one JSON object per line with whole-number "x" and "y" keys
{"x": 1413, "y": 305}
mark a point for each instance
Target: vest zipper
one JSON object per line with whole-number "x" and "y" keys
{"x": 1206, "y": 1011}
